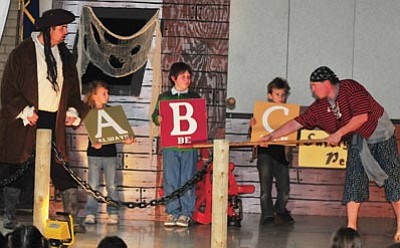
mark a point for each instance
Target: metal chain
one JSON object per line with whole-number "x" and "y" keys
{"x": 24, "y": 167}
{"x": 155, "y": 202}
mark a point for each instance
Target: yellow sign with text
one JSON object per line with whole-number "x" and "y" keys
{"x": 321, "y": 155}
{"x": 269, "y": 116}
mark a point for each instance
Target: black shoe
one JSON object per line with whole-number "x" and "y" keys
{"x": 268, "y": 221}
{"x": 285, "y": 217}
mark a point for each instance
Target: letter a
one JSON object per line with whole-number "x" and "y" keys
{"x": 108, "y": 122}
{"x": 178, "y": 118}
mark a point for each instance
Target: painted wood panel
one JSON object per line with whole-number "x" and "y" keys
{"x": 249, "y": 174}
{"x": 321, "y": 176}
{"x": 241, "y": 156}
{"x": 140, "y": 127}
{"x": 213, "y": 63}
{"x": 141, "y": 145}
{"x": 196, "y": 33}
{"x": 139, "y": 162}
{"x": 137, "y": 178}
{"x": 219, "y": 13}
{"x": 203, "y": 82}
{"x": 203, "y": 12}
{"x": 216, "y": 2}
{"x": 75, "y": 6}
{"x": 137, "y": 194}
{"x": 125, "y": 161}
{"x": 185, "y": 45}
{"x": 177, "y": 28}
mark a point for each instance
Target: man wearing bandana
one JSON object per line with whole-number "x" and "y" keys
{"x": 348, "y": 112}
{"x": 40, "y": 89}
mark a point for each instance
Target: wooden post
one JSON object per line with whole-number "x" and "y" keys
{"x": 220, "y": 194}
{"x": 42, "y": 178}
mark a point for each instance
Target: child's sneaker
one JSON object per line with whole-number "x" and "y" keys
{"x": 112, "y": 219}
{"x": 170, "y": 220}
{"x": 90, "y": 219}
{"x": 183, "y": 221}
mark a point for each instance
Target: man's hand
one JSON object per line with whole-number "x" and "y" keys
{"x": 334, "y": 139}
{"x": 33, "y": 119}
{"x": 266, "y": 138}
{"x": 69, "y": 120}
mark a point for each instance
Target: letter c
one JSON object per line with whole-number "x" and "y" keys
{"x": 268, "y": 112}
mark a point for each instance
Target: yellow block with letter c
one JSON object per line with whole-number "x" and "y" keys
{"x": 269, "y": 116}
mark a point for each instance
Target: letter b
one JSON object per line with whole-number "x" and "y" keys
{"x": 177, "y": 119}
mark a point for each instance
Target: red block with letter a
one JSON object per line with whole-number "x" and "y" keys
{"x": 184, "y": 122}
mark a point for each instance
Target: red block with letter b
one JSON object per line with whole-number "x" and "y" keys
{"x": 184, "y": 122}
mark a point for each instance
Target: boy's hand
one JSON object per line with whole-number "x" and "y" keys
{"x": 159, "y": 119}
{"x": 252, "y": 121}
{"x": 97, "y": 145}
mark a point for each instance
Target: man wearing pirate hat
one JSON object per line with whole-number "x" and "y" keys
{"x": 40, "y": 89}
{"x": 348, "y": 112}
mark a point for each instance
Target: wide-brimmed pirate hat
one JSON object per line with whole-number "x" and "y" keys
{"x": 54, "y": 17}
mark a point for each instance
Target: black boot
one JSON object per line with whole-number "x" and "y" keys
{"x": 285, "y": 217}
{"x": 11, "y": 198}
{"x": 70, "y": 203}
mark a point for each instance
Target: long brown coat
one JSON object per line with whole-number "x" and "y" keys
{"x": 19, "y": 89}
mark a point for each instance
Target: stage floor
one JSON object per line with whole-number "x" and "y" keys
{"x": 307, "y": 232}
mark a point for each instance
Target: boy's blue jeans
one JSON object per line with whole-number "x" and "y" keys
{"x": 178, "y": 168}
{"x": 268, "y": 168}
{"x": 109, "y": 166}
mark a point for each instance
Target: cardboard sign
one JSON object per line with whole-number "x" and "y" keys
{"x": 270, "y": 116}
{"x": 321, "y": 155}
{"x": 108, "y": 125}
{"x": 183, "y": 122}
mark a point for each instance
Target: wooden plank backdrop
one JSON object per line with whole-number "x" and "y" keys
{"x": 195, "y": 32}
